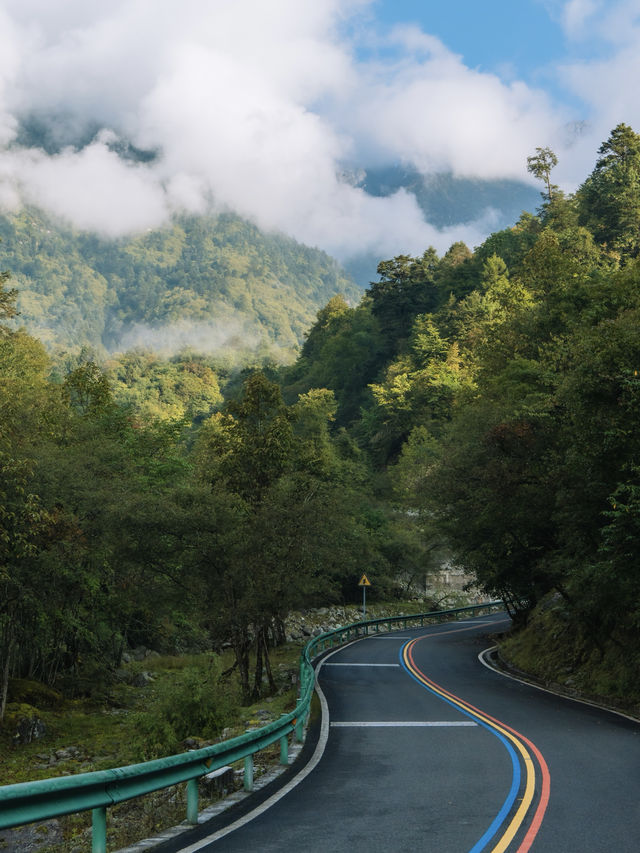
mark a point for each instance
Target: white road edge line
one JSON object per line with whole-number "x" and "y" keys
{"x": 389, "y": 636}
{"x": 363, "y": 664}
{"x": 273, "y": 799}
{"x": 400, "y": 724}
{"x": 485, "y": 662}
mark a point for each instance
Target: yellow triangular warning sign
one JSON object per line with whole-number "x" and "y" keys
{"x": 364, "y": 581}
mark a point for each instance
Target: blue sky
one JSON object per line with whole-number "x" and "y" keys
{"x": 493, "y": 35}
{"x": 275, "y": 109}
{"x": 526, "y": 40}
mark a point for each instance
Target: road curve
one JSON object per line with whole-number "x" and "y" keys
{"x": 426, "y": 749}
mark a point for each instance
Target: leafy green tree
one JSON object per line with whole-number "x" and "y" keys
{"x": 540, "y": 165}
{"x": 30, "y": 413}
{"x": 418, "y": 388}
{"x": 343, "y": 353}
{"x": 185, "y": 386}
{"x": 406, "y": 288}
{"x": 88, "y": 389}
{"x": 296, "y": 523}
{"x": 248, "y": 446}
{"x": 512, "y": 244}
{"x": 609, "y": 200}
{"x": 457, "y": 273}
{"x": 7, "y": 298}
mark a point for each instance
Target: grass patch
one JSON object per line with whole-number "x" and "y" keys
{"x": 557, "y": 651}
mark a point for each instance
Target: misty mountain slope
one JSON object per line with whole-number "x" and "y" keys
{"x": 201, "y": 281}
{"x": 446, "y": 201}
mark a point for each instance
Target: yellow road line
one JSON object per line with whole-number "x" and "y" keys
{"x": 529, "y": 790}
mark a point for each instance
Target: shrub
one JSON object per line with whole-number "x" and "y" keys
{"x": 193, "y": 703}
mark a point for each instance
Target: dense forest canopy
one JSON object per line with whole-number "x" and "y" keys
{"x": 483, "y": 405}
{"x": 498, "y": 390}
{"x": 213, "y": 282}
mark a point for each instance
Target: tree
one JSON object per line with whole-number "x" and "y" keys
{"x": 7, "y": 299}
{"x": 88, "y": 389}
{"x": 247, "y": 447}
{"x": 294, "y": 500}
{"x": 30, "y": 413}
{"x": 420, "y": 387}
{"x": 540, "y": 165}
{"x": 609, "y": 200}
{"x": 406, "y": 289}
{"x": 343, "y": 353}
{"x": 457, "y": 273}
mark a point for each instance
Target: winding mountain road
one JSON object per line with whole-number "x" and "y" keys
{"x": 422, "y": 747}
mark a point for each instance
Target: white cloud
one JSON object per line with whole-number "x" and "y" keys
{"x": 434, "y": 112}
{"x": 9, "y": 67}
{"x": 606, "y": 85}
{"x": 206, "y": 337}
{"x": 259, "y": 106}
{"x": 576, "y": 15}
{"x": 93, "y": 188}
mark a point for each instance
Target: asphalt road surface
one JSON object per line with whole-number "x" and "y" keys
{"x": 423, "y": 748}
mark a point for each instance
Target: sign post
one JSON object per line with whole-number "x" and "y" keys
{"x": 364, "y": 583}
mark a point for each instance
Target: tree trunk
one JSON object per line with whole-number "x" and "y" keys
{"x": 278, "y": 632}
{"x": 241, "y": 652}
{"x": 267, "y": 665}
{"x": 4, "y": 676}
{"x": 257, "y": 676}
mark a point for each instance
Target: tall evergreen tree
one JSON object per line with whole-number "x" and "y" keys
{"x": 609, "y": 200}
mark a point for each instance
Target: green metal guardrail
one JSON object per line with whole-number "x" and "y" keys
{"x": 28, "y": 802}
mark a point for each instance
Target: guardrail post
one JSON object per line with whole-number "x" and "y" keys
{"x": 284, "y": 747}
{"x": 284, "y": 750}
{"x": 99, "y": 830}
{"x": 248, "y": 772}
{"x": 192, "y": 801}
{"x": 300, "y": 729}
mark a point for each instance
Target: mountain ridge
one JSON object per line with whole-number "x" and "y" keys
{"x": 76, "y": 287}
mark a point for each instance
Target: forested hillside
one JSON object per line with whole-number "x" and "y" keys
{"x": 118, "y": 530}
{"x": 213, "y": 282}
{"x": 483, "y": 406}
{"x": 499, "y": 391}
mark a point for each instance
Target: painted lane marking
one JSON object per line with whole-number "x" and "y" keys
{"x": 496, "y": 726}
{"x": 545, "y": 780}
{"x": 362, "y": 664}
{"x": 400, "y": 724}
{"x": 482, "y": 657}
{"x": 306, "y": 770}
{"x": 545, "y": 789}
{"x": 454, "y": 630}
{"x": 497, "y": 822}
{"x": 546, "y": 777}
{"x": 390, "y": 636}
{"x": 499, "y": 732}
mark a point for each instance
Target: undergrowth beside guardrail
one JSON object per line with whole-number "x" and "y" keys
{"x": 27, "y": 802}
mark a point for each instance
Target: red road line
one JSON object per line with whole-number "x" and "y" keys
{"x": 545, "y": 791}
